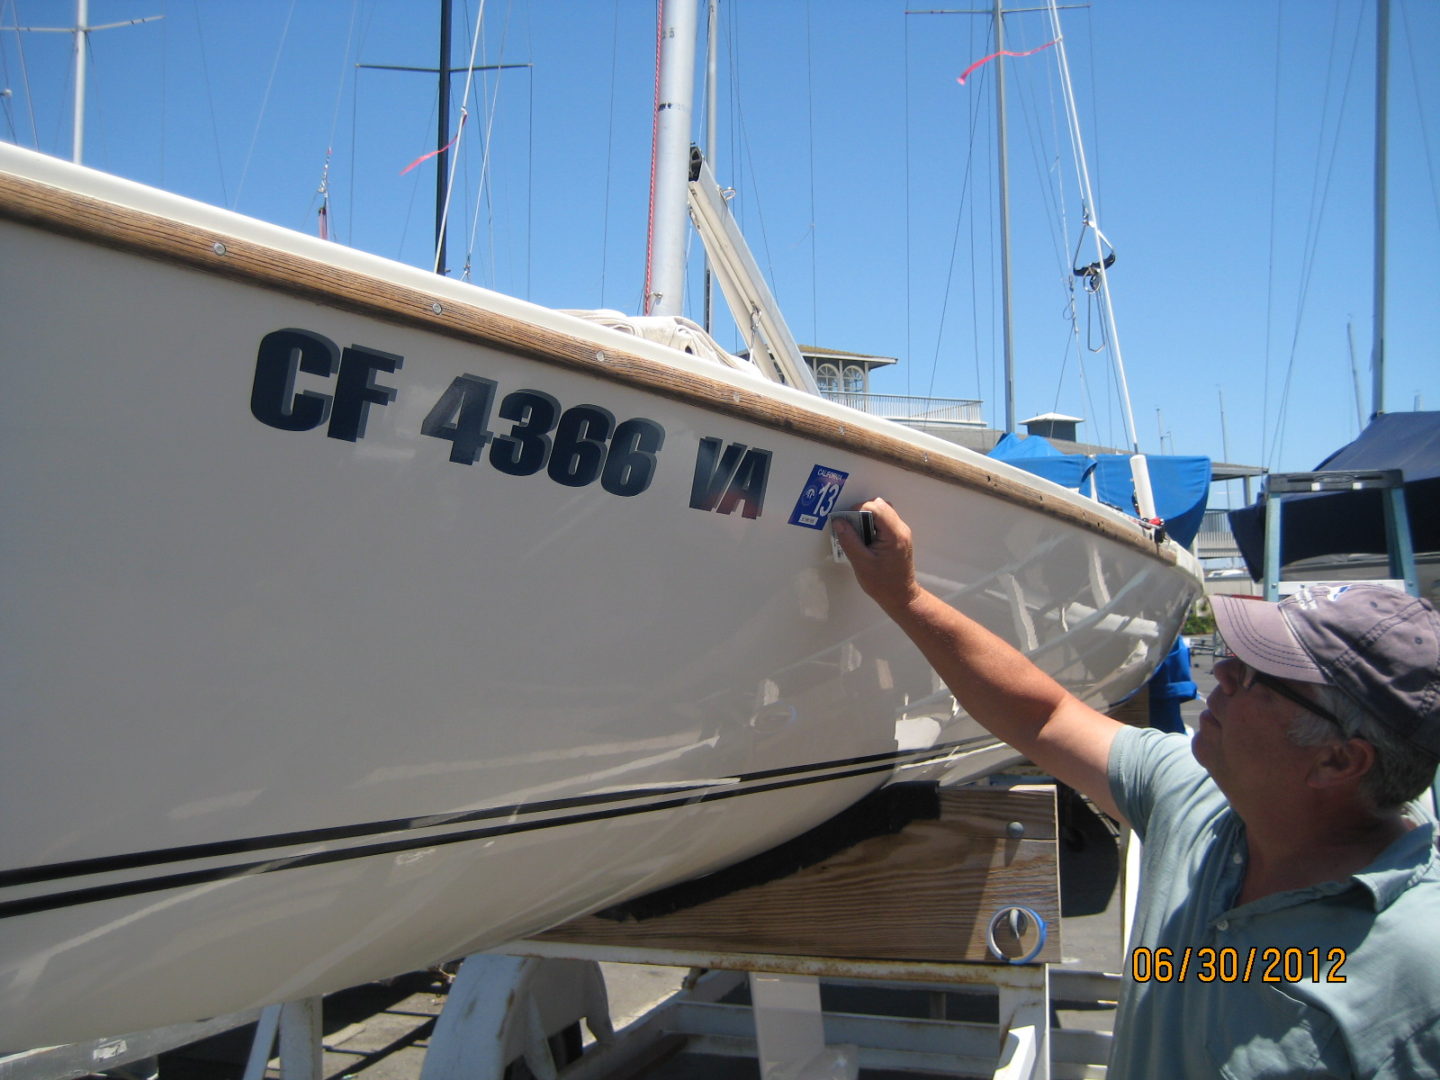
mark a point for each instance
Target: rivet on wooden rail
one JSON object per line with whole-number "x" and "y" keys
{"x": 218, "y": 248}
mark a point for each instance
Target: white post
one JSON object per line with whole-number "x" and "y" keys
{"x": 82, "y": 30}
{"x": 672, "y": 157}
{"x": 1025, "y": 1025}
{"x": 790, "y": 1031}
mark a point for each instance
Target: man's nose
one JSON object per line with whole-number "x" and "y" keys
{"x": 1227, "y": 673}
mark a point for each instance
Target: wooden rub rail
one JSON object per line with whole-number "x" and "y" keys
{"x": 99, "y": 221}
{"x": 919, "y": 899}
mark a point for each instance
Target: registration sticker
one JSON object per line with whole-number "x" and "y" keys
{"x": 821, "y": 492}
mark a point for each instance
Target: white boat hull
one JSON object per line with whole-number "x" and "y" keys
{"x": 292, "y": 705}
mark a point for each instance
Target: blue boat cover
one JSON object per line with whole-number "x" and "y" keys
{"x": 1353, "y": 522}
{"x": 1181, "y": 483}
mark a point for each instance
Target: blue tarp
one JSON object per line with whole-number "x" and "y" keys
{"x": 1181, "y": 483}
{"x": 1353, "y": 522}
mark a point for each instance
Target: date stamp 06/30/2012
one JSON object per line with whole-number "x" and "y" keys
{"x": 1229, "y": 965}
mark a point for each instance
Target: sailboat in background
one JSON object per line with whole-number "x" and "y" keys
{"x": 358, "y": 618}
{"x": 1369, "y": 510}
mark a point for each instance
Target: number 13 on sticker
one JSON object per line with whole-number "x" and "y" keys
{"x": 821, "y": 493}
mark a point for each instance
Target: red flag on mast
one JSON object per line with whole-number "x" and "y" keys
{"x": 1003, "y": 52}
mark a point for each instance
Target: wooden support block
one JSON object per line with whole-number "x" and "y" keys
{"x": 926, "y": 894}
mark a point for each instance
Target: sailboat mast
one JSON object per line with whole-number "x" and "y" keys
{"x": 1007, "y": 320}
{"x": 1382, "y": 100}
{"x": 668, "y": 208}
{"x": 82, "y": 31}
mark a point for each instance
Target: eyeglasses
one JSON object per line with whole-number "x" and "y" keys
{"x": 1249, "y": 677}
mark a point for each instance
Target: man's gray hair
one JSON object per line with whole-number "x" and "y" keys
{"x": 1402, "y": 771}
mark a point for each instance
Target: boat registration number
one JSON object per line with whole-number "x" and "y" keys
{"x": 521, "y": 432}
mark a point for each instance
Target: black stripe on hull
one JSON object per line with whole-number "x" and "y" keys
{"x": 672, "y": 798}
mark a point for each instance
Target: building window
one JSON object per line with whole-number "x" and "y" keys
{"x": 854, "y": 379}
{"x": 827, "y": 377}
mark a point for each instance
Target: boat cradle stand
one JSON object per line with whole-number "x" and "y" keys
{"x": 931, "y": 908}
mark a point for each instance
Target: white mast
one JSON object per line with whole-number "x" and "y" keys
{"x": 81, "y": 30}
{"x": 77, "y": 130}
{"x": 672, "y": 157}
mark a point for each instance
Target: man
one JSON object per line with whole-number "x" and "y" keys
{"x": 1289, "y": 913}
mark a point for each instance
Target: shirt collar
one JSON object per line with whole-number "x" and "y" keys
{"x": 1404, "y": 862}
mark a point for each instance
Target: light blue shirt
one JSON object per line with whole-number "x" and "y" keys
{"x": 1379, "y": 930}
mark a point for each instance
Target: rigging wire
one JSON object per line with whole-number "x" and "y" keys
{"x": 354, "y": 121}
{"x": 164, "y": 88}
{"x": 990, "y": 240}
{"x": 264, "y": 104}
{"x": 730, "y": 27}
{"x": 1087, "y": 277}
{"x": 960, "y": 208}
{"x": 748, "y": 154}
{"x": 99, "y": 130}
{"x": 909, "y": 256}
{"x": 529, "y": 165}
{"x": 484, "y": 187}
{"x": 1318, "y": 199}
{"x": 210, "y": 100}
{"x": 323, "y": 191}
{"x": 810, "y": 129}
{"x": 460, "y": 132}
{"x": 1274, "y": 201}
{"x": 25, "y": 76}
{"x": 654, "y": 156}
{"x": 8, "y": 96}
{"x": 1420, "y": 110}
{"x": 1090, "y": 220}
{"x": 961, "y": 205}
{"x": 1110, "y": 391}
{"x": 483, "y": 195}
{"x": 609, "y": 154}
{"x": 1051, "y": 179}
{"x": 415, "y": 191}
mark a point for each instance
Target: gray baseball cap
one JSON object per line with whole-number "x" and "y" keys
{"x": 1378, "y": 646}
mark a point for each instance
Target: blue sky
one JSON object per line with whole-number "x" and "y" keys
{"x": 1230, "y": 143}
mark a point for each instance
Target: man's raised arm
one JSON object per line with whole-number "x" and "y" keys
{"x": 994, "y": 682}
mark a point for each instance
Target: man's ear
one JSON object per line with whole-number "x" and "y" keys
{"x": 1339, "y": 763}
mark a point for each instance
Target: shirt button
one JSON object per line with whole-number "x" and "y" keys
{"x": 1223, "y": 924}
{"x": 1237, "y": 858}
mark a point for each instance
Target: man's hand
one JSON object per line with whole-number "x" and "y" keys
{"x": 886, "y": 568}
